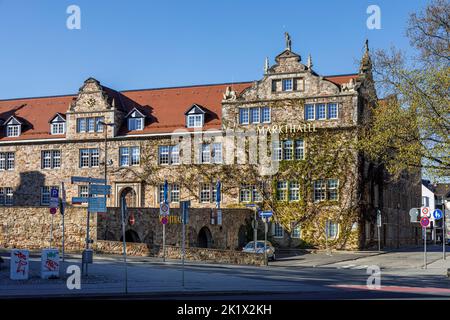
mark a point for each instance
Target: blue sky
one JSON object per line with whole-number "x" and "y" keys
{"x": 146, "y": 44}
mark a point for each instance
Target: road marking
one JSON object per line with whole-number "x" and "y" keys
{"x": 360, "y": 267}
{"x": 348, "y": 266}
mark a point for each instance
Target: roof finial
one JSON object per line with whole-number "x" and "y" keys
{"x": 310, "y": 64}
{"x": 287, "y": 38}
{"x": 266, "y": 65}
{"x": 367, "y": 45}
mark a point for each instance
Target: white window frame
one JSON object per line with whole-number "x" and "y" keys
{"x": 50, "y": 159}
{"x": 92, "y": 158}
{"x": 205, "y": 195}
{"x": 263, "y": 120}
{"x": 284, "y": 86}
{"x": 127, "y": 153}
{"x": 195, "y": 120}
{"x": 244, "y": 112}
{"x": 135, "y": 124}
{"x": 328, "y": 234}
{"x": 328, "y": 111}
{"x": 255, "y": 111}
{"x": 58, "y": 128}
{"x": 321, "y": 111}
{"x": 307, "y": 106}
{"x": 296, "y": 232}
{"x": 294, "y": 190}
{"x": 282, "y": 188}
{"x": 278, "y": 231}
{"x": 299, "y": 149}
{"x": 13, "y": 130}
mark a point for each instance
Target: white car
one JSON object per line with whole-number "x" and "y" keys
{"x": 250, "y": 247}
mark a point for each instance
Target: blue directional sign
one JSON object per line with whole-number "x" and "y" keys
{"x": 97, "y": 204}
{"x": 99, "y": 189}
{"x": 79, "y": 200}
{"x": 185, "y": 211}
{"x": 87, "y": 180}
{"x": 265, "y": 214}
{"x": 437, "y": 214}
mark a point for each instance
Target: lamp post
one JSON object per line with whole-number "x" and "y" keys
{"x": 105, "y": 129}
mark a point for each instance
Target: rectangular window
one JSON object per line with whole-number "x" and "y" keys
{"x": 332, "y": 111}
{"x": 99, "y": 124}
{"x": 175, "y": 193}
{"x": 331, "y": 229}
{"x": 277, "y": 151}
{"x": 135, "y": 124}
{"x": 288, "y": 150}
{"x": 299, "y": 149}
{"x": 287, "y": 84}
{"x": 321, "y": 111}
{"x": 83, "y": 191}
{"x": 129, "y": 156}
{"x": 309, "y": 112}
{"x": 6, "y": 196}
{"x": 91, "y": 124}
{"x": 81, "y": 125}
{"x": 265, "y": 115}
{"x": 332, "y": 189}
{"x": 296, "y": 231}
{"x": 13, "y": 130}
{"x": 195, "y": 121}
{"x": 163, "y": 154}
{"x": 45, "y": 195}
{"x": 278, "y": 231}
{"x": 174, "y": 154}
{"x": 243, "y": 116}
{"x": 7, "y": 160}
{"x": 216, "y": 154}
{"x": 89, "y": 158}
{"x": 281, "y": 190}
{"x": 319, "y": 190}
{"x": 51, "y": 159}
{"x": 206, "y": 153}
{"x": 254, "y": 115}
{"x": 294, "y": 191}
{"x": 244, "y": 193}
{"x": 205, "y": 192}
{"x": 256, "y": 194}
{"x": 58, "y": 128}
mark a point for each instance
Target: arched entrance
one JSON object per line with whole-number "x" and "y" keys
{"x": 130, "y": 197}
{"x": 131, "y": 236}
{"x": 204, "y": 238}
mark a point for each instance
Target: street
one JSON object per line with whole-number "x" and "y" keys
{"x": 341, "y": 275}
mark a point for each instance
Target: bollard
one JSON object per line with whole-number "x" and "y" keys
{"x": 448, "y": 273}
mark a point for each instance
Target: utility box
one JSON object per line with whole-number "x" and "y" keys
{"x": 50, "y": 264}
{"x": 19, "y": 264}
{"x": 88, "y": 256}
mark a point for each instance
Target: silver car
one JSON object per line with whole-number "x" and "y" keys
{"x": 250, "y": 247}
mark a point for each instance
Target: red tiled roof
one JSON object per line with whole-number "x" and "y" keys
{"x": 340, "y": 79}
{"x": 163, "y": 107}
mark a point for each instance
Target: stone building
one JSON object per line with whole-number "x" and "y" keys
{"x": 302, "y": 125}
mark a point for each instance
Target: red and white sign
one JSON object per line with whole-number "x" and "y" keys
{"x": 164, "y": 220}
{"x": 425, "y": 212}
{"x": 425, "y": 222}
{"x": 52, "y": 210}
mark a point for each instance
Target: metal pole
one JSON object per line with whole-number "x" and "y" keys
{"x": 183, "y": 249}
{"x": 164, "y": 242}
{"x": 443, "y": 229}
{"x": 255, "y": 230}
{"x": 379, "y": 239}
{"x": 87, "y": 228}
{"x": 51, "y": 232}
{"x": 265, "y": 241}
{"x": 63, "y": 206}
{"x": 123, "y": 209}
{"x": 424, "y": 247}
{"x": 63, "y": 235}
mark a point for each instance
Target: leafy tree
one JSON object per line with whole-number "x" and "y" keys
{"x": 410, "y": 128}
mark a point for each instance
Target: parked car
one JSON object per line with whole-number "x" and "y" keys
{"x": 250, "y": 247}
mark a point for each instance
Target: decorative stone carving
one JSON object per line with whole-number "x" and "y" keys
{"x": 229, "y": 94}
{"x": 350, "y": 86}
{"x": 288, "y": 41}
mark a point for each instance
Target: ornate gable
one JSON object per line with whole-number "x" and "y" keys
{"x": 91, "y": 98}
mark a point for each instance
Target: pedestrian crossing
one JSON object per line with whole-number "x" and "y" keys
{"x": 353, "y": 266}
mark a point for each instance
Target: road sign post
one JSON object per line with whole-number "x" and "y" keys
{"x": 123, "y": 212}
{"x": 185, "y": 219}
{"x": 265, "y": 215}
{"x": 54, "y": 203}
{"x": 378, "y": 227}
{"x": 62, "y": 210}
{"x": 424, "y": 222}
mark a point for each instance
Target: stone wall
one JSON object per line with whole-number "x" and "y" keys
{"x": 174, "y": 252}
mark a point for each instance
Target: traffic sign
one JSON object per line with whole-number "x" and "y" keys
{"x": 437, "y": 214}
{"x": 425, "y": 211}
{"x": 79, "y": 200}
{"x": 424, "y": 222}
{"x": 164, "y": 209}
{"x": 54, "y": 198}
{"x": 185, "y": 211}
{"x": 100, "y": 189}
{"x": 164, "y": 220}
{"x": 87, "y": 180}
{"x": 52, "y": 210}
{"x": 413, "y": 214}
{"x": 379, "y": 223}
{"x": 97, "y": 204}
{"x": 265, "y": 214}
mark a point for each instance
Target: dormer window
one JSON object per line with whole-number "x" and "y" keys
{"x": 195, "y": 117}
{"x": 287, "y": 85}
{"x": 13, "y": 127}
{"x": 135, "y": 120}
{"x": 58, "y": 125}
